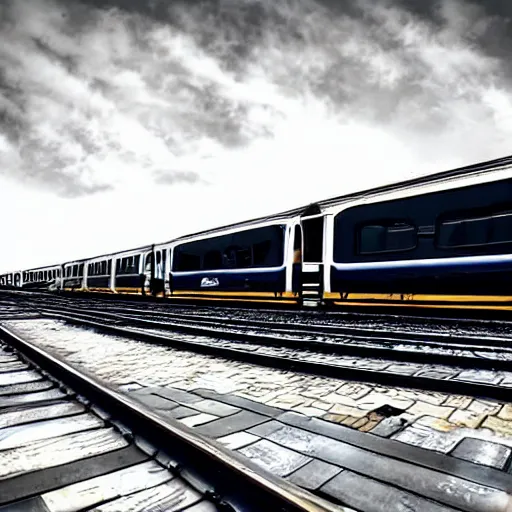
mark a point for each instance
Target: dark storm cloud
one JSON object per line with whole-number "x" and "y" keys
{"x": 96, "y": 93}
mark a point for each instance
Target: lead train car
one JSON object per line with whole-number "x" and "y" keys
{"x": 446, "y": 245}
{"x": 440, "y": 241}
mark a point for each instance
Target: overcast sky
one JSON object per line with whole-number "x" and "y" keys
{"x": 122, "y": 125}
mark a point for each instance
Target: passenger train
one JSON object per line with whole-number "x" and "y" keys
{"x": 441, "y": 241}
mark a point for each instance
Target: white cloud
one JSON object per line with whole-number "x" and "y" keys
{"x": 121, "y": 130}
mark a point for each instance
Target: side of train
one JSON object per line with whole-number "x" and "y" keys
{"x": 440, "y": 241}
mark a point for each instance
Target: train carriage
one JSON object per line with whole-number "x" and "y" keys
{"x": 73, "y": 276}
{"x": 41, "y": 278}
{"x": 439, "y": 245}
{"x": 99, "y": 276}
{"x": 142, "y": 271}
{"x": 127, "y": 269}
{"x": 250, "y": 262}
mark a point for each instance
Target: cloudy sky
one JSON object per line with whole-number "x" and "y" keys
{"x": 124, "y": 123}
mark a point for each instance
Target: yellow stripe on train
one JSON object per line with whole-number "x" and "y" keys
{"x": 425, "y": 305}
{"x": 232, "y": 299}
{"x": 176, "y": 293}
{"x": 270, "y": 297}
{"x": 411, "y": 297}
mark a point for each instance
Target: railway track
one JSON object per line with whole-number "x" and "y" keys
{"x": 328, "y": 321}
{"x": 70, "y": 442}
{"x": 481, "y": 341}
{"x": 334, "y": 321}
{"x": 466, "y": 364}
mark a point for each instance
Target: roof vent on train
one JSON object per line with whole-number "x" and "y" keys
{"x": 312, "y": 209}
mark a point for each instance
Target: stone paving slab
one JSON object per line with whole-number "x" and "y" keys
{"x": 314, "y": 474}
{"x": 372, "y": 496}
{"x": 483, "y": 452}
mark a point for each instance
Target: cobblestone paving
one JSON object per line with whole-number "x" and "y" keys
{"x": 321, "y": 456}
{"x": 431, "y": 420}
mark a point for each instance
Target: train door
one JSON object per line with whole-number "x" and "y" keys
{"x": 311, "y": 279}
{"x": 159, "y": 272}
{"x": 147, "y": 271}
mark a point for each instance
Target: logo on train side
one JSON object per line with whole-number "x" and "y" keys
{"x": 209, "y": 282}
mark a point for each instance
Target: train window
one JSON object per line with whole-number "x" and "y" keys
{"x": 212, "y": 260}
{"x": 40, "y": 276}
{"x": 260, "y": 247}
{"x": 475, "y": 231}
{"x": 186, "y": 261}
{"x": 109, "y": 267}
{"x": 58, "y": 272}
{"x": 128, "y": 265}
{"x": 237, "y": 257}
{"x": 395, "y": 237}
{"x": 45, "y": 275}
{"x": 149, "y": 258}
{"x": 260, "y": 252}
